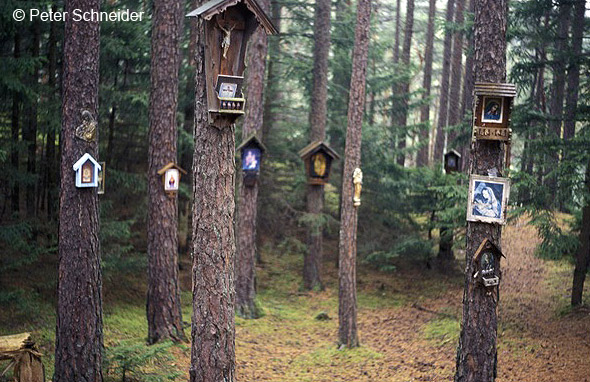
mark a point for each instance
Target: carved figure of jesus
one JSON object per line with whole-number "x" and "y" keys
{"x": 225, "y": 43}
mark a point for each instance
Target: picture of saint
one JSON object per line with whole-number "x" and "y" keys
{"x": 227, "y": 90}
{"x": 87, "y": 172}
{"x": 171, "y": 180}
{"x": 492, "y": 110}
{"x": 487, "y": 263}
{"x": 251, "y": 159}
{"x": 487, "y": 199}
{"x": 319, "y": 165}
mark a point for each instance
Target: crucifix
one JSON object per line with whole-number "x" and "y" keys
{"x": 226, "y": 42}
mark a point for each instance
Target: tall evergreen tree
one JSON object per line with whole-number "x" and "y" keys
{"x": 439, "y": 143}
{"x": 477, "y": 352}
{"x": 405, "y": 88}
{"x": 163, "y": 298}
{"x": 317, "y": 119}
{"x": 248, "y": 195}
{"x": 422, "y": 158}
{"x": 79, "y": 339}
{"x": 347, "y": 310}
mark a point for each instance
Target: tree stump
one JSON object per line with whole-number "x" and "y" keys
{"x": 24, "y": 357}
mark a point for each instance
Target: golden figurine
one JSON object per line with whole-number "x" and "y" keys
{"x": 357, "y": 180}
{"x": 319, "y": 164}
{"x": 87, "y": 130}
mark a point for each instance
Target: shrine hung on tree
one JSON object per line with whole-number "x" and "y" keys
{"x": 228, "y": 27}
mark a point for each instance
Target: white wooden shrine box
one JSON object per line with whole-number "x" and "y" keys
{"x": 86, "y": 171}
{"x": 171, "y": 178}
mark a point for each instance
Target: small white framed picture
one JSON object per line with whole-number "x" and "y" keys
{"x": 488, "y": 199}
{"x": 227, "y": 90}
{"x": 492, "y": 110}
{"x": 171, "y": 180}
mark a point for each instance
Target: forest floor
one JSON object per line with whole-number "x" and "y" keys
{"x": 408, "y": 323}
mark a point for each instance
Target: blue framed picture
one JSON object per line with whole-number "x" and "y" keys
{"x": 488, "y": 199}
{"x": 251, "y": 159}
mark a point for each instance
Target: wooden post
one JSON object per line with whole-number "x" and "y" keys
{"x": 25, "y": 357}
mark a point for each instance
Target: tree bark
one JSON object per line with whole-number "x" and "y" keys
{"x": 79, "y": 338}
{"x": 583, "y": 254}
{"x": 422, "y": 158}
{"x": 439, "y": 143}
{"x": 213, "y": 328}
{"x": 403, "y": 120}
{"x": 163, "y": 298}
{"x": 248, "y": 195}
{"x": 317, "y": 120}
{"x": 573, "y": 70}
{"x": 477, "y": 352}
{"x": 347, "y": 309}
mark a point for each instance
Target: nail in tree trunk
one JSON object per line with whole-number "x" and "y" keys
{"x": 422, "y": 158}
{"x": 213, "y": 330}
{"x": 347, "y": 309}
{"x": 317, "y": 120}
{"x": 163, "y": 298}
{"x": 583, "y": 254}
{"x": 79, "y": 339}
{"x": 477, "y": 352}
{"x": 248, "y": 195}
{"x": 443, "y": 108}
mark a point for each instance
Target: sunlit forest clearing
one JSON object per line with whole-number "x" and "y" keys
{"x": 408, "y": 322}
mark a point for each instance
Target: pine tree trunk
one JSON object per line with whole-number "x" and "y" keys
{"x": 573, "y": 70}
{"x": 454, "y": 114}
{"x": 79, "y": 339}
{"x": 558, "y": 90}
{"x": 439, "y": 143}
{"x": 186, "y": 149}
{"x": 583, "y": 254}
{"x": 317, "y": 120}
{"x": 422, "y": 158}
{"x": 347, "y": 309}
{"x": 163, "y": 298}
{"x": 403, "y": 120}
{"x": 213, "y": 328}
{"x": 248, "y": 195}
{"x": 477, "y": 352}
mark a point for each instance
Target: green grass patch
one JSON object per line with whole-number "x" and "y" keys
{"x": 442, "y": 330}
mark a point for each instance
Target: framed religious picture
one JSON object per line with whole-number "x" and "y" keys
{"x": 251, "y": 159}
{"x": 492, "y": 110}
{"x": 171, "y": 179}
{"x": 229, "y": 86}
{"x": 488, "y": 199}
